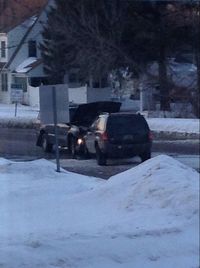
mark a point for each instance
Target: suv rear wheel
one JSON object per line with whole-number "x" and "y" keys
{"x": 101, "y": 158}
{"x": 145, "y": 156}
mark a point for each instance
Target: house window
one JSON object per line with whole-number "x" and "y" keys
{"x": 4, "y": 82}
{"x": 32, "y": 49}
{"x": 21, "y": 82}
{"x": 3, "y": 49}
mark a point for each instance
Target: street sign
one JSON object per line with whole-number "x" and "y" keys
{"x": 54, "y": 109}
{"x": 16, "y": 93}
{"x": 47, "y": 100}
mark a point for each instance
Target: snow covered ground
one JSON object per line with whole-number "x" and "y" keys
{"x": 29, "y": 114}
{"x": 23, "y": 112}
{"x": 146, "y": 217}
{"x": 174, "y": 125}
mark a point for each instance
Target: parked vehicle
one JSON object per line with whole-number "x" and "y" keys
{"x": 118, "y": 135}
{"x": 70, "y": 133}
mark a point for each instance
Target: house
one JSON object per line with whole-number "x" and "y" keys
{"x": 20, "y": 61}
{"x": 20, "y": 58}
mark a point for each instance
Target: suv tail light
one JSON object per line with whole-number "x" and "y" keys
{"x": 104, "y": 136}
{"x": 150, "y": 136}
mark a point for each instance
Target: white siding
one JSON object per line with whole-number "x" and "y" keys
{"x": 34, "y": 98}
{"x": 5, "y": 95}
{"x": 78, "y": 95}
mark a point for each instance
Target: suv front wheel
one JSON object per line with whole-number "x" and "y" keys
{"x": 72, "y": 147}
{"x": 47, "y": 147}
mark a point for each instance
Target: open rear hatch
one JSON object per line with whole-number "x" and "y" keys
{"x": 85, "y": 114}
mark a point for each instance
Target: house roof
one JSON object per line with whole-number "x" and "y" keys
{"x": 20, "y": 44}
{"x": 15, "y": 12}
{"x": 28, "y": 64}
{"x": 35, "y": 64}
{"x": 24, "y": 67}
{"x": 30, "y": 22}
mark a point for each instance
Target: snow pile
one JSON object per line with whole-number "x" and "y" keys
{"x": 144, "y": 217}
{"x": 164, "y": 183}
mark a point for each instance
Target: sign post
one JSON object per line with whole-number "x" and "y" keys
{"x": 54, "y": 110}
{"x": 55, "y": 127}
{"x": 16, "y": 95}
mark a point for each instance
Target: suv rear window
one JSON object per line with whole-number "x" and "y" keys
{"x": 126, "y": 124}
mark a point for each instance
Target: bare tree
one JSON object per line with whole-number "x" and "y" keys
{"x": 97, "y": 37}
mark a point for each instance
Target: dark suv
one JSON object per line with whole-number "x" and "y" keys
{"x": 119, "y": 135}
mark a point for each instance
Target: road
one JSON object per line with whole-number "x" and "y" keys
{"x": 90, "y": 168}
{"x": 19, "y": 144}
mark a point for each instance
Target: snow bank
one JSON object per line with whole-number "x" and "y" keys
{"x": 174, "y": 125}
{"x": 7, "y": 111}
{"x": 147, "y": 216}
{"x": 27, "y": 114}
{"x": 164, "y": 184}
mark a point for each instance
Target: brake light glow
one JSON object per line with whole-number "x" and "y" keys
{"x": 80, "y": 141}
{"x": 104, "y": 136}
{"x": 150, "y": 136}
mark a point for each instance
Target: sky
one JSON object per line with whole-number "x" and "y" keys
{"x": 147, "y": 216}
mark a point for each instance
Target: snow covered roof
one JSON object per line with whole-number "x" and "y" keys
{"x": 29, "y": 22}
{"x": 26, "y": 65}
{"x": 182, "y": 74}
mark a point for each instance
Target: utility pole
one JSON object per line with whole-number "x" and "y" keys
{"x": 55, "y": 128}
{"x": 141, "y": 97}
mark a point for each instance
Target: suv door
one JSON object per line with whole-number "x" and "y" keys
{"x": 91, "y": 136}
{"x": 94, "y": 133}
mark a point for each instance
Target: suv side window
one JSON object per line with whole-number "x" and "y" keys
{"x": 94, "y": 125}
{"x": 101, "y": 124}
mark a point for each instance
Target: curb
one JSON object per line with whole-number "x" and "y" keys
{"x": 25, "y": 124}
{"x": 167, "y": 135}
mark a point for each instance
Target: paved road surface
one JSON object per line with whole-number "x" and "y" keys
{"x": 14, "y": 141}
{"x": 90, "y": 168}
{"x": 19, "y": 144}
